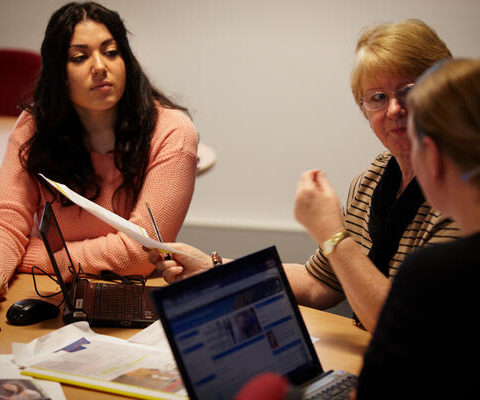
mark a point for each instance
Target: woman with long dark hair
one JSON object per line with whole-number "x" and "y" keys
{"x": 98, "y": 125}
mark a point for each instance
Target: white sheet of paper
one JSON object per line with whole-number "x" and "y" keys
{"x": 152, "y": 335}
{"x": 116, "y": 221}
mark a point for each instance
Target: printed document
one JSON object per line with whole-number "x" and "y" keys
{"x": 76, "y": 355}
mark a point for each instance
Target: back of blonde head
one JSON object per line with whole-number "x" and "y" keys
{"x": 403, "y": 49}
{"x": 446, "y": 106}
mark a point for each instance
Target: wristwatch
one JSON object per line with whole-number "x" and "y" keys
{"x": 329, "y": 245}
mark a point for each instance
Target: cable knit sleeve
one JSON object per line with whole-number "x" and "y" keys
{"x": 168, "y": 187}
{"x": 19, "y": 198}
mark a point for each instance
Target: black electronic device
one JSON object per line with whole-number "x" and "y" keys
{"x": 125, "y": 305}
{"x": 238, "y": 320}
{"x": 31, "y": 311}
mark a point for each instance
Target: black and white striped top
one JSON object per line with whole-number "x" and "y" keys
{"x": 428, "y": 226}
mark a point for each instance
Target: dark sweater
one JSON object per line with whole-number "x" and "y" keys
{"x": 426, "y": 341}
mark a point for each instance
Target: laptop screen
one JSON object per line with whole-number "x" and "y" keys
{"x": 55, "y": 245}
{"x": 233, "y": 322}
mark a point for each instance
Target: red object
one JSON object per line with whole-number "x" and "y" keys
{"x": 268, "y": 386}
{"x": 18, "y": 72}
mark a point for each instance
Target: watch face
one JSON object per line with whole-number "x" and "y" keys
{"x": 328, "y": 247}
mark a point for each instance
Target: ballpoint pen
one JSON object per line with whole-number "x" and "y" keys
{"x": 167, "y": 255}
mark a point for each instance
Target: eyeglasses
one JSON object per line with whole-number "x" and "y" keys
{"x": 376, "y": 100}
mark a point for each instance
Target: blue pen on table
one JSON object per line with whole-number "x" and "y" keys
{"x": 167, "y": 256}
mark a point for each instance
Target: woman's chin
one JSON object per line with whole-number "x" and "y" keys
{"x": 399, "y": 147}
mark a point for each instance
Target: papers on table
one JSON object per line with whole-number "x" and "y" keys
{"x": 76, "y": 355}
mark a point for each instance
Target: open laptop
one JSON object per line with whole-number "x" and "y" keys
{"x": 238, "y": 320}
{"x": 99, "y": 303}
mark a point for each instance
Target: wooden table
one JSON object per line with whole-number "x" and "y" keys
{"x": 341, "y": 344}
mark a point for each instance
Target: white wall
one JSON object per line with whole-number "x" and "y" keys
{"x": 267, "y": 83}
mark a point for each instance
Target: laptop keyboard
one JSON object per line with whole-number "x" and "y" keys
{"x": 123, "y": 302}
{"x": 337, "y": 390}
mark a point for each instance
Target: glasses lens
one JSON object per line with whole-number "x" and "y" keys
{"x": 379, "y": 100}
{"x": 375, "y": 101}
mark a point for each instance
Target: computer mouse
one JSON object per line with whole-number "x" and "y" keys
{"x": 31, "y": 311}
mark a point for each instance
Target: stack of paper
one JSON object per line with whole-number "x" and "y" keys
{"x": 141, "y": 367}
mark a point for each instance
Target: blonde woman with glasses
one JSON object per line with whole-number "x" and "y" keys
{"x": 386, "y": 216}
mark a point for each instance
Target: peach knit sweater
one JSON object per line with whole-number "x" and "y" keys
{"x": 168, "y": 187}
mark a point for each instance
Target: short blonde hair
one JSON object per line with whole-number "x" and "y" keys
{"x": 405, "y": 48}
{"x": 445, "y": 105}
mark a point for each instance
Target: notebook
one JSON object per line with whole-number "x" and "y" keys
{"x": 238, "y": 320}
{"x": 99, "y": 303}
